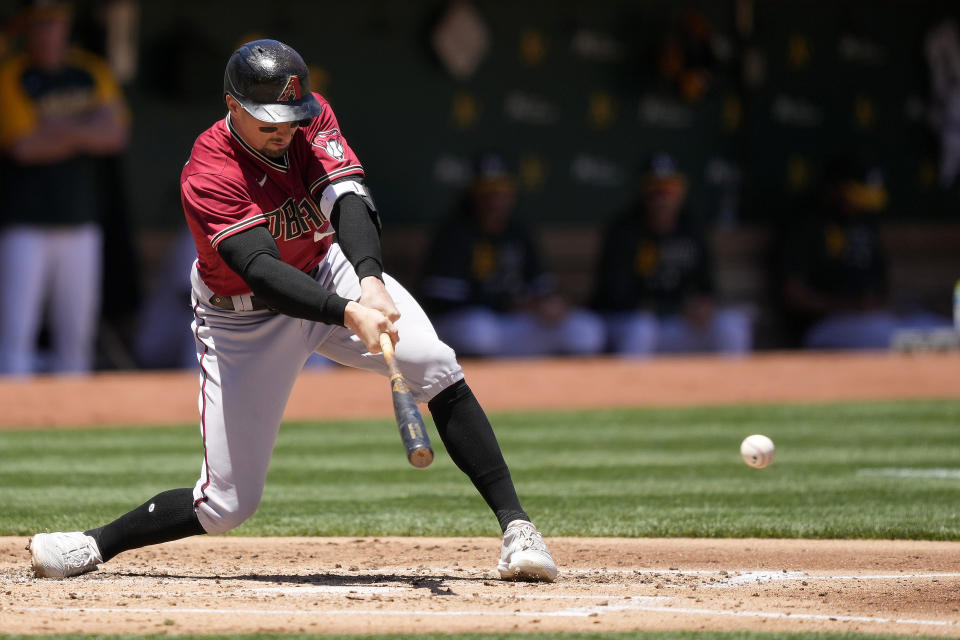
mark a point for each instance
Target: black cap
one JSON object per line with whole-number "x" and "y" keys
{"x": 271, "y": 82}
{"x": 660, "y": 165}
{"x": 491, "y": 172}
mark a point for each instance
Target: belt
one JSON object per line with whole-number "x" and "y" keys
{"x": 248, "y": 302}
{"x": 226, "y": 303}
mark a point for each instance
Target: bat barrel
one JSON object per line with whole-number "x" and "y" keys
{"x": 421, "y": 457}
{"x": 413, "y": 434}
{"x": 416, "y": 442}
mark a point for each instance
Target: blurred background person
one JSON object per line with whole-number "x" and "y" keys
{"x": 484, "y": 285}
{"x": 62, "y": 110}
{"x": 835, "y": 273}
{"x": 654, "y": 281}
{"x": 164, "y": 339}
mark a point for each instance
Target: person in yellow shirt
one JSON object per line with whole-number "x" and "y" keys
{"x": 61, "y": 111}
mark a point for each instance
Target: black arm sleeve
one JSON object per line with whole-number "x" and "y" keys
{"x": 358, "y": 235}
{"x": 254, "y": 256}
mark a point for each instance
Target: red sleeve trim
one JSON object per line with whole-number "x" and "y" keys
{"x": 236, "y": 228}
{"x": 322, "y": 181}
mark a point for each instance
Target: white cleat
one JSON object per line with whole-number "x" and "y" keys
{"x": 61, "y": 555}
{"x": 524, "y": 555}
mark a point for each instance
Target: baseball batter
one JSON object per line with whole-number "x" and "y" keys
{"x": 289, "y": 263}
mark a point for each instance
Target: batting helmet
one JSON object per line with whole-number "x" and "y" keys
{"x": 271, "y": 82}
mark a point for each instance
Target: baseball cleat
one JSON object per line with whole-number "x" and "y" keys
{"x": 524, "y": 555}
{"x": 61, "y": 555}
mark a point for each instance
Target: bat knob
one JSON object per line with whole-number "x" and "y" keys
{"x": 421, "y": 457}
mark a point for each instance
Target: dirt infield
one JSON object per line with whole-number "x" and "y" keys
{"x": 342, "y": 585}
{"x": 158, "y": 398}
{"x": 368, "y": 585}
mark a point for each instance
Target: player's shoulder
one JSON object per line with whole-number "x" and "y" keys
{"x": 212, "y": 154}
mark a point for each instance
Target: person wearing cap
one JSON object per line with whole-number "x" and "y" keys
{"x": 834, "y": 271}
{"x": 62, "y": 112}
{"x": 484, "y": 286}
{"x": 654, "y": 280}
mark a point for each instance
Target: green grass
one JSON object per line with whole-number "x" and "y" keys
{"x": 636, "y": 635}
{"x": 643, "y": 472}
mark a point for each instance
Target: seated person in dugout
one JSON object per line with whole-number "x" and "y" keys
{"x": 484, "y": 286}
{"x": 654, "y": 280}
{"x": 834, "y": 286}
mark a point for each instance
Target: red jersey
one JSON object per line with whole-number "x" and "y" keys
{"x": 227, "y": 187}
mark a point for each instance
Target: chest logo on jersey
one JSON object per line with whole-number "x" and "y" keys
{"x": 293, "y": 219}
{"x": 330, "y": 141}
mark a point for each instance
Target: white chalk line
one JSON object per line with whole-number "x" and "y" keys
{"x": 742, "y": 579}
{"x": 760, "y": 577}
{"x": 634, "y": 604}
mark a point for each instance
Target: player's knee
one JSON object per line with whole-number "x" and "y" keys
{"x": 434, "y": 367}
{"x": 426, "y": 352}
{"x": 439, "y": 360}
{"x": 219, "y": 514}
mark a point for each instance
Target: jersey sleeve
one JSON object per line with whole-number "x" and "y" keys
{"x": 219, "y": 207}
{"x": 329, "y": 157}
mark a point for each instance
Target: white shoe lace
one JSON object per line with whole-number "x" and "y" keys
{"x": 79, "y": 557}
{"x": 530, "y": 539}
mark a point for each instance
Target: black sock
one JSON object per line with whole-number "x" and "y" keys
{"x": 472, "y": 445}
{"x": 166, "y": 516}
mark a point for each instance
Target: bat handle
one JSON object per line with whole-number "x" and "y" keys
{"x": 389, "y": 356}
{"x": 386, "y": 345}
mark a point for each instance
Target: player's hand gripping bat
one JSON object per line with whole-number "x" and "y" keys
{"x": 412, "y": 432}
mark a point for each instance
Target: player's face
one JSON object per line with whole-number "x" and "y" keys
{"x": 492, "y": 206}
{"x": 663, "y": 208}
{"x": 47, "y": 41}
{"x": 272, "y": 139}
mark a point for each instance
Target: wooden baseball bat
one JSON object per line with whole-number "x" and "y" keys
{"x": 412, "y": 432}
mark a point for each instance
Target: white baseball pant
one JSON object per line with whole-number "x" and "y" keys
{"x": 249, "y": 361}
{"x": 57, "y": 269}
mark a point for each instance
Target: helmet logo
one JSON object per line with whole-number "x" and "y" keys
{"x": 291, "y": 90}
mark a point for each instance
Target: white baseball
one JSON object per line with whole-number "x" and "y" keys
{"x": 757, "y": 451}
